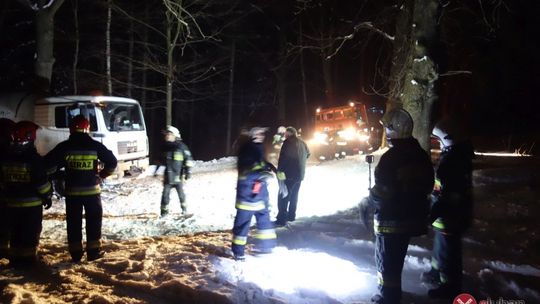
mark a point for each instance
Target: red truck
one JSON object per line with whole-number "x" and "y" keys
{"x": 341, "y": 131}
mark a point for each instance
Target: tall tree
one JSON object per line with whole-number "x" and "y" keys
{"x": 414, "y": 72}
{"x": 108, "y": 47}
{"x": 44, "y": 22}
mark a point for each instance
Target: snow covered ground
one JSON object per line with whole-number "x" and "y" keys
{"x": 326, "y": 256}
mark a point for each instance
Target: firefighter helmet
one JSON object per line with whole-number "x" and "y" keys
{"x": 79, "y": 124}
{"x": 281, "y": 130}
{"x": 6, "y": 126}
{"x": 257, "y": 134}
{"x": 174, "y": 131}
{"x": 448, "y": 131}
{"x": 24, "y": 132}
{"x": 398, "y": 124}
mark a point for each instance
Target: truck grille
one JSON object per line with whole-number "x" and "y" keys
{"x": 125, "y": 147}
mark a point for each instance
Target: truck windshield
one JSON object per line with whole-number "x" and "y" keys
{"x": 122, "y": 116}
{"x": 64, "y": 114}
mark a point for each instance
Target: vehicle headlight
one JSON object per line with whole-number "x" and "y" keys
{"x": 347, "y": 134}
{"x": 363, "y": 137}
{"x": 320, "y": 138}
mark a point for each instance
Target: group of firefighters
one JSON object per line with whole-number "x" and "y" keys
{"x": 407, "y": 195}
{"x": 26, "y": 189}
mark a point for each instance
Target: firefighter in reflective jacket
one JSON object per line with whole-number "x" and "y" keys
{"x": 79, "y": 155}
{"x": 178, "y": 162}
{"x": 252, "y": 196}
{"x": 26, "y": 190}
{"x": 403, "y": 181}
{"x": 6, "y": 126}
{"x": 451, "y": 210}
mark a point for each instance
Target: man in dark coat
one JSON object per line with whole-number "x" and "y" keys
{"x": 451, "y": 211}
{"x": 178, "y": 162}
{"x": 403, "y": 182}
{"x": 291, "y": 169}
{"x": 80, "y": 156}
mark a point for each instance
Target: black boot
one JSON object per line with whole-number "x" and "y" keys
{"x": 94, "y": 254}
{"x": 432, "y": 277}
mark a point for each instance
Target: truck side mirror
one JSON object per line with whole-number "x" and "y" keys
{"x": 369, "y": 159}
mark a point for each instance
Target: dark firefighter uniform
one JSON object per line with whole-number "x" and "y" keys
{"x": 178, "y": 161}
{"x": 403, "y": 181}
{"x": 451, "y": 212}
{"x": 6, "y": 126}
{"x": 25, "y": 189}
{"x": 79, "y": 155}
{"x": 252, "y": 200}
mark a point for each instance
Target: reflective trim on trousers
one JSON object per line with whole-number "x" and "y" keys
{"x": 24, "y": 202}
{"x": 434, "y": 264}
{"x": 239, "y": 240}
{"x": 439, "y": 224}
{"x": 250, "y": 206}
{"x": 393, "y": 226}
{"x": 266, "y": 234}
{"x": 83, "y": 191}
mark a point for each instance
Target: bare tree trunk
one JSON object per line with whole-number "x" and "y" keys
{"x": 144, "y": 76}
{"x": 108, "y": 47}
{"x": 303, "y": 75}
{"x": 130, "y": 62}
{"x": 77, "y": 42}
{"x": 231, "y": 95}
{"x": 328, "y": 80}
{"x": 45, "y": 39}
{"x": 169, "y": 74}
{"x": 413, "y": 74}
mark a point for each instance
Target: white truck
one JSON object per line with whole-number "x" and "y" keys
{"x": 116, "y": 122}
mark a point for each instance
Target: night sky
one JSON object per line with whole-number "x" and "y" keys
{"x": 498, "y": 50}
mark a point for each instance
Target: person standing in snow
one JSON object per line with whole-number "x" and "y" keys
{"x": 178, "y": 162}
{"x": 6, "y": 126}
{"x": 80, "y": 156}
{"x": 252, "y": 195}
{"x": 25, "y": 190}
{"x": 403, "y": 181}
{"x": 451, "y": 210}
{"x": 291, "y": 169}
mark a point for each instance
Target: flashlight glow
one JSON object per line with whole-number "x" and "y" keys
{"x": 290, "y": 271}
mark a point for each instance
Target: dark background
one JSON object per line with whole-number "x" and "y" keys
{"x": 495, "y": 46}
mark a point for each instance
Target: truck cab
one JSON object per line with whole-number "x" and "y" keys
{"x": 117, "y": 122}
{"x": 340, "y": 131}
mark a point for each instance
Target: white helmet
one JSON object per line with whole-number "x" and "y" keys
{"x": 448, "y": 131}
{"x": 174, "y": 131}
{"x": 257, "y": 134}
{"x": 281, "y": 130}
{"x": 398, "y": 124}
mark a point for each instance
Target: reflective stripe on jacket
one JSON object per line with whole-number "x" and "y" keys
{"x": 80, "y": 156}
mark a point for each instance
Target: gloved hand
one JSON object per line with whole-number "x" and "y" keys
{"x": 282, "y": 191}
{"x": 47, "y": 203}
{"x": 365, "y": 214}
{"x": 187, "y": 175}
